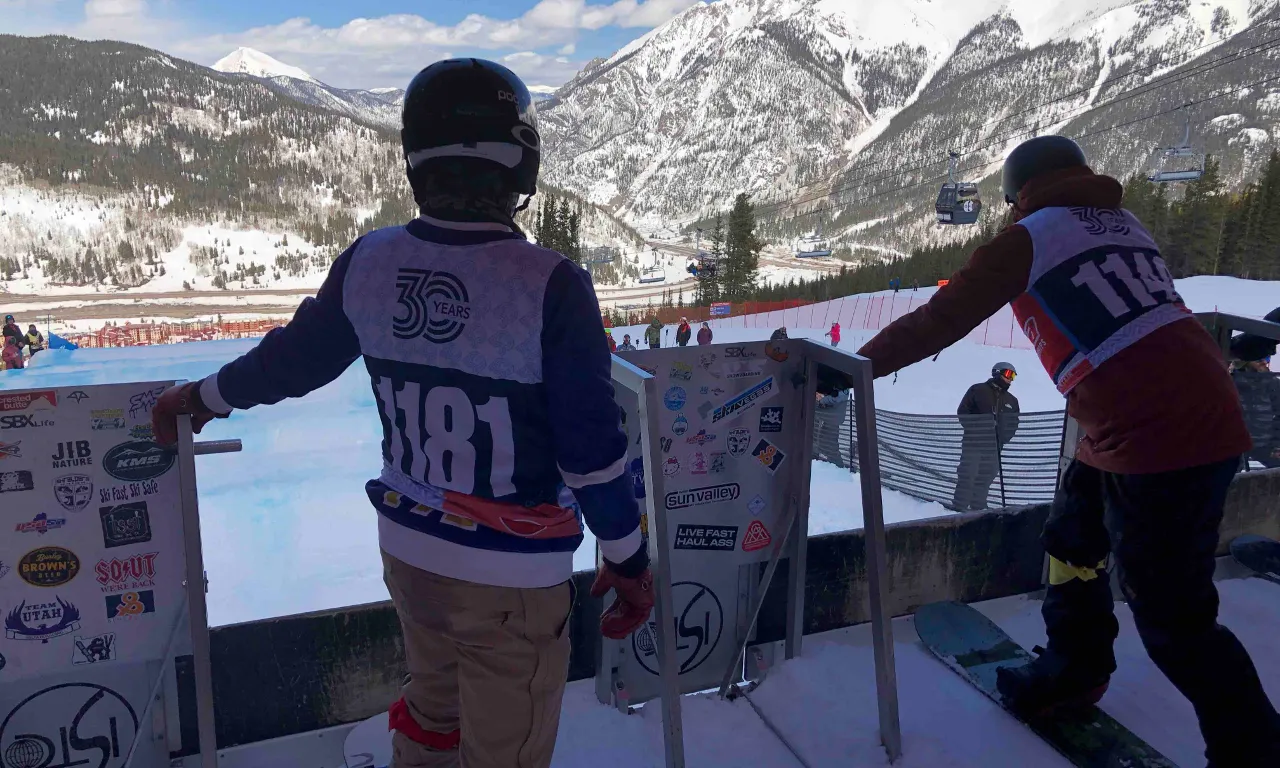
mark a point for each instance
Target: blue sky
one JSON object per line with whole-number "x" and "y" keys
{"x": 365, "y": 44}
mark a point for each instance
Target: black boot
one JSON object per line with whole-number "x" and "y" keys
{"x": 1050, "y": 682}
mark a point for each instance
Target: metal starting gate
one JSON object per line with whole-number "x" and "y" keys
{"x": 721, "y": 442}
{"x": 105, "y": 653}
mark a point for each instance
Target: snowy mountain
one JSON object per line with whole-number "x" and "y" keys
{"x": 247, "y": 61}
{"x": 793, "y": 100}
{"x": 123, "y": 168}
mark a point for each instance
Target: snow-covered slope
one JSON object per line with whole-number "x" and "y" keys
{"x": 247, "y": 61}
{"x": 795, "y": 99}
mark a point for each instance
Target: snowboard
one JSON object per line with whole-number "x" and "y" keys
{"x": 1259, "y": 554}
{"x": 974, "y": 647}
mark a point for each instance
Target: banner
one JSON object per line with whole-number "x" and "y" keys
{"x": 721, "y": 309}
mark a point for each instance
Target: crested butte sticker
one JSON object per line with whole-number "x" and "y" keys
{"x": 25, "y": 400}
{"x": 704, "y": 537}
{"x": 739, "y": 403}
{"x": 710, "y": 494}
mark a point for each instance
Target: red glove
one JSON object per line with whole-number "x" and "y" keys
{"x": 176, "y": 401}
{"x": 632, "y": 602}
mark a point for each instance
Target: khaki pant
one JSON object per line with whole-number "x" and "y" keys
{"x": 491, "y": 661}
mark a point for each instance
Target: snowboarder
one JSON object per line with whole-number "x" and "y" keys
{"x": 626, "y": 345}
{"x": 478, "y": 548}
{"x": 704, "y": 335}
{"x": 1259, "y": 391}
{"x": 1149, "y": 479}
{"x": 834, "y": 334}
{"x": 653, "y": 334}
{"x": 683, "y": 332}
{"x": 830, "y": 415}
{"x": 989, "y": 419}
{"x": 34, "y": 339}
{"x": 12, "y": 355}
{"x": 12, "y": 331}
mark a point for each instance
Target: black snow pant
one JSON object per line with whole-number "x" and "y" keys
{"x": 1162, "y": 529}
{"x": 979, "y": 465}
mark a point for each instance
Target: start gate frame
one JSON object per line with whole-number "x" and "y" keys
{"x": 740, "y": 384}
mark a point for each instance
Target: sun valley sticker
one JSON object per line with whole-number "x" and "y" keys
{"x": 710, "y": 494}
{"x": 743, "y": 401}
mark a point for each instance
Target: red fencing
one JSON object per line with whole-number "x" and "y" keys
{"x": 144, "y": 334}
{"x": 670, "y": 315}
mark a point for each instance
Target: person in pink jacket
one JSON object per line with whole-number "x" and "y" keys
{"x": 12, "y": 355}
{"x": 834, "y": 333}
{"x": 704, "y": 335}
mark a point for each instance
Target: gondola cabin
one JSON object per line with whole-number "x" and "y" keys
{"x": 958, "y": 203}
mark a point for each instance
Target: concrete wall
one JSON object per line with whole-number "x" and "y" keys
{"x": 299, "y": 673}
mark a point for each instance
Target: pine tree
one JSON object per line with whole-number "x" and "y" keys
{"x": 742, "y": 252}
{"x": 573, "y": 240}
{"x": 709, "y": 271}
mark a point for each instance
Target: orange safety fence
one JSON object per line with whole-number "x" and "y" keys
{"x": 670, "y": 315}
{"x": 145, "y": 334}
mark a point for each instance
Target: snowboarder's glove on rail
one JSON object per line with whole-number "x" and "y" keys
{"x": 633, "y": 600}
{"x": 184, "y": 398}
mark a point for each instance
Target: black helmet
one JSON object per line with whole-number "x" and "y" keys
{"x": 1004, "y": 371}
{"x": 472, "y": 108}
{"x": 1034, "y": 157}
{"x": 1249, "y": 348}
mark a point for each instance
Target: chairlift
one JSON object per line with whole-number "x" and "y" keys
{"x": 655, "y": 273}
{"x": 703, "y": 265}
{"x": 1188, "y": 164}
{"x": 958, "y": 201}
{"x": 812, "y": 246}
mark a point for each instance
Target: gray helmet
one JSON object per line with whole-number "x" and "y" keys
{"x": 1004, "y": 371}
{"x": 1034, "y": 157}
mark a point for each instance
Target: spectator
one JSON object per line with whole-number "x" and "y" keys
{"x": 915, "y": 285}
{"x": 989, "y": 417}
{"x": 834, "y": 333}
{"x": 779, "y": 334}
{"x": 12, "y": 331}
{"x": 1260, "y": 398}
{"x": 704, "y": 335}
{"x": 35, "y": 340}
{"x": 626, "y": 345}
{"x": 613, "y": 345}
{"x": 653, "y": 334}
{"x": 12, "y": 357}
{"x": 683, "y": 332}
{"x": 830, "y": 417}
{"x": 894, "y": 283}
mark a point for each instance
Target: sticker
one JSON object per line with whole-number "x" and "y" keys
{"x": 717, "y": 462}
{"x": 118, "y": 493}
{"x": 78, "y": 396}
{"x": 756, "y": 505}
{"x": 739, "y": 441}
{"x": 141, "y": 432}
{"x": 768, "y": 455}
{"x": 704, "y": 409}
{"x": 745, "y": 370}
{"x": 681, "y": 371}
{"x": 138, "y": 460}
{"x": 101, "y": 723}
{"x": 24, "y": 421}
{"x": 723, "y": 538}
{"x": 701, "y": 438}
{"x": 698, "y": 463}
{"x": 704, "y": 390}
{"x": 775, "y": 352}
{"x": 711, "y": 494}
{"x": 706, "y": 361}
{"x": 48, "y": 566}
{"x": 2, "y": 662}
{"x": 92, "y": 650}
{"x": 756, "y": 537}
{"x": 644, "y": 523}
{"x": 142, "y": 403}
{"x": 771, "y": 419}
{"x": 16, "y": 481}
{"x": 22, "y": 402}
{"x": 738, "y": 353}
{"x": 72, "y": 453}
{"x": 665, "y": 443}
{"x": 4, "y": 569}
{"x": 131, "y": 572}
{"x": 107, "y": 418}
{"x": 41, "y": 524}
{"x": 130, "y": 605}
{"x": 675, "y": 398}
{"x": 671, "y": 466}
{"x": 125, "y": 524}
{"x": 699, "y": 622}
{"x": 11, "y": 450}
{"x": 680, "y": 425}
{"x": 41, "y": 621}
{"x": 740, "y": 403}
{"x": 637, "y": 477}
{"x": 73, "y": 492}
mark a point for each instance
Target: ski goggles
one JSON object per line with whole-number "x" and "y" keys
{"x": 1008, "y": 375}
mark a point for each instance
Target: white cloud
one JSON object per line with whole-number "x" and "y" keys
{"x": 567, "y": 50}
{"x": 100, "y": 8}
